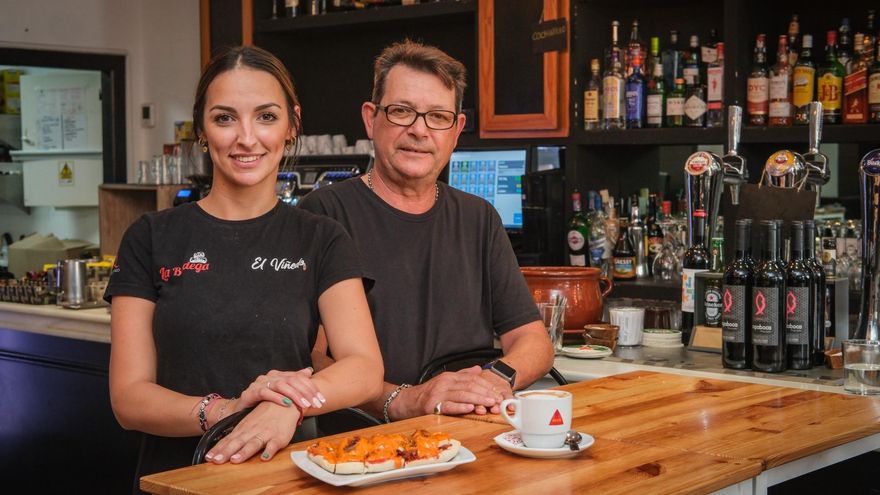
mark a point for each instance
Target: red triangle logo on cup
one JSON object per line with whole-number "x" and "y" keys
{"x": 556, "y": 419}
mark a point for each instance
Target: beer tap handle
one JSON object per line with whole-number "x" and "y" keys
{"x": 815, "y": 126}
{"x": 734, "y": 128}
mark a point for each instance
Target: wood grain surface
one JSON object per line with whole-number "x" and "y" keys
{"x": 609, "y": 467}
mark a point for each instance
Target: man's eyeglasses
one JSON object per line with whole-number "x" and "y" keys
{"x": 404, "y": 116}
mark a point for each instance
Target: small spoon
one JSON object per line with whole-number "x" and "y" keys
{"x": 573, "y": 439}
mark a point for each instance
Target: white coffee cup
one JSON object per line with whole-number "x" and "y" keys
{"x": 542, "y": 417}
{"x": 631, "y": 322}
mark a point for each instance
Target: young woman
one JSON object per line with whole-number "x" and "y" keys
{"x": 216, "y": 304}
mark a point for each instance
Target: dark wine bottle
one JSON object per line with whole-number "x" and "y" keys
{"x": 736, "y": 290}
{"x": 800, "y": 287}
{"x": 768, "y": 305}
{"x": 818, "y": 292}
{"x": 695, "y": 260}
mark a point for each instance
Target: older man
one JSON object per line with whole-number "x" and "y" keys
{"x": 446, "y": 278}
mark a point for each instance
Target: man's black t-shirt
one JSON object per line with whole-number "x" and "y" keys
{"x": 234, "y": 299}
{"x": 446, "y": 281}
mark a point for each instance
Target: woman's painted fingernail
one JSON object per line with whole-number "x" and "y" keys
{"x": 316, "y": 402}
{"x": 287, "y": 401}
{"x": 235, "y": 457}
{"x": 265, "y": 455}
{"x": 305, "y": 403}
{"x": 209, "y": 456}
{"x": 218, "y": 458}
{"x": 321, "y": 397}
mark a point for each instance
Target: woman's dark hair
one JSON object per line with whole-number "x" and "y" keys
{"x": 250, "y": 57}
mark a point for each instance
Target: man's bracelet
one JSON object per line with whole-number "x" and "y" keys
{"x": 393, "y": 395}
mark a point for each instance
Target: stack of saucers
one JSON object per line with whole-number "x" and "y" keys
{"x": 661, "y": 337}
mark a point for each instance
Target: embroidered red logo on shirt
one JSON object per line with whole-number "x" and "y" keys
{"x": 198, "y": 263}
{"x": 556, "y": 419}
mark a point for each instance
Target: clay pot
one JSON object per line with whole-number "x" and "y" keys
{"x": 579, "y": 284}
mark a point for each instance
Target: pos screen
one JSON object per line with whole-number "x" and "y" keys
{"x": 494, "y": 175}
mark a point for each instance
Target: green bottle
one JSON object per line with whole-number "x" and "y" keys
{"x": 675, "y": 105}
{"x": 578, "y": 233}
{"x": 656, "y": 96}
{"x": 829, "y": 82}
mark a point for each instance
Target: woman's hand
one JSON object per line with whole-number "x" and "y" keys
{"x": 282, "y": 388}
{"x": 268, "y": 428}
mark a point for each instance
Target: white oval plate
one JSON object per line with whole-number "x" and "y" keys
{"x": 301, "y": 459}
{"x": 586, "y": 351}
{"x": 512, "y": 442}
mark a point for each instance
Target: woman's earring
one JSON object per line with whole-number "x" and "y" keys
{"x": 289, "y": 144}
{"x": 204, "y": 145}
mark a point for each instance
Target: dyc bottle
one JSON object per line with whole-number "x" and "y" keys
{"x": 768, "y": 305}
{"x": 736, "y": 296}
{"x": 799, "y": 311}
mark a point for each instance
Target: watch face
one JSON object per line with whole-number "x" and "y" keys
{"x": 505, "y": 371}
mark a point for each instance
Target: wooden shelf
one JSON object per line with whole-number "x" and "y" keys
{"x": 370, "y": 18}
{"x": 121, "y": 204}
{"x": 651, "y": 137}
{"x": 647, "y": 289}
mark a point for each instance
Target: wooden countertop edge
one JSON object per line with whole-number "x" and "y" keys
{"x": 91, "y": 324}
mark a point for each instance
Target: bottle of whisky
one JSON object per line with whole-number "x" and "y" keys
{"x": 874, "y": 88}
{"x": 803, "y": 82}
{"x": 758, "y": 93}
{"x": 578, "y": 233}
{"x": 715, "y": 89}
{"x": 855, "y": 86}
{"x": 799, "y": 311}
{"x": 613, "y": 102}
{"x": 736, "y": 290}
{"x": 591, "y": 98}
{"x": 675, "y": 105}
{"x": 780, "y": 87}
{"x": 768, "y": 305}
{"x": 829, "y": 81}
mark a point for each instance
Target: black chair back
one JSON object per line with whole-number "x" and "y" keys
{"x": 462, "y": 360}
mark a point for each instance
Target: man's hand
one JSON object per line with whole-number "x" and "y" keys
{"x": 459, "y": 392}
{"x": 499, "y": 385}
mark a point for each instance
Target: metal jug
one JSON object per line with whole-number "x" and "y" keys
{"x": 74, "y": 283}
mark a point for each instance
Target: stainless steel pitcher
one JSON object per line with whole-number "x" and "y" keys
{"x": 74, "y": 283}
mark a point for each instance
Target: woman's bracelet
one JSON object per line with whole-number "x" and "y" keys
{"x": 393, "y": 395}
{"x": 222, "y": 410}
{"x": 204, "y": 407}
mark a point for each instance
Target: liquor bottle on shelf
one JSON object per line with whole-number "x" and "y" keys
{"x": 635, "y": 96}
{"x": 675, "y": 105}
{"x": 800, "y": 287}
{"x": 874, "y": 88}
{"x": 708, "y": 53}
{"x": 855, "y": 86}
{"x": 829, "y": 251}
{"x": 624, "y": 257}
{"x": 293, "y": 8}
{"x": 695, "y": 104}
{"x": 803, "y": 82}
{"x": 758, "y": 91}
{"x": 768, "y": 305}
{"x": 736, "y": 287}
{"x": 600, "y": 253}
{"x": 818, "y": 295}
{"x": 656, "y": 100}
{"x": 654, "y": 231}
{"x": 578, "y": 233}
{"x": 635, "y": 48}
{"x": 794, "y": 29}
{"x": 613, "y": 106}
{"x": 844, "y": 45}
{"x": 653, "y": 59}
{"x": 672, "y": 59}
{"x": 780, "y": 86}
{"x": 691, "y": 68}
{"x": 638, "y": 239}
{"x": 591, "y": 98}
{"x": 870, "y": 36}
{"x": 615, "y": 46}
{"x": 715, "y": 89}
{"x": 712, "y": 298}
{"x": 829, "y": 82}
{"x": 694, "y": 260}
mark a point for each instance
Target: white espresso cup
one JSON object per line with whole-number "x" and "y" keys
{"x": 542, "y": 417}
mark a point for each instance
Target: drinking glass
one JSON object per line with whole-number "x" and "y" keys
{"x": 553, "y": 316}
{"x": 861, "y": 366}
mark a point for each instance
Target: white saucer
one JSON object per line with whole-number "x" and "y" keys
{"x": 586, "y": 351}
{"x": 512, "y": 442}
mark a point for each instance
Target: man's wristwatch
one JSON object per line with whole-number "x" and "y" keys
{"x": 503, "y": 370}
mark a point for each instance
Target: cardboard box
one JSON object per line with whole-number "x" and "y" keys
{"x": 10, "y": 91}
{"x": 32, "y": 252}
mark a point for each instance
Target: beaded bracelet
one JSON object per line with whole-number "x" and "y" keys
{"x": 393, "y": 395}
{"x": 203, "y": 414}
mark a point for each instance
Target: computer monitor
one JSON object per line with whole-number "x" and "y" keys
{"x": 496, "y": 176}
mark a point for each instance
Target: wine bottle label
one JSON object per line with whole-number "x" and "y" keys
{"x": 733, "y": 313}
{"x": 591, "y": 105}
{"x": 625, "y": 267}
{"x": 758, "y": 95}
{"x": 688, "y": 285}
{"x": 655, "y": 109}
{"x": 712, "y": 306}
{"x": 576, "y": 240}
{"x": 779, "y": 87}
{"x": 716, "y": 83}
{"x": 694, "y": 107}
{"x": 803, "y": 84}
{"x": 798, "y": 310}
{"x": 765, "y": 316}
{"x": 830, "y": 91}
{"x": 675, "y": 106}
{"x": 874, "y": 88}
{"x": 577, "y": 260}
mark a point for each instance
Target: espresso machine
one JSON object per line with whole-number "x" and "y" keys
{"x": 869, "y": 309}
{"x": 314, "y": 171}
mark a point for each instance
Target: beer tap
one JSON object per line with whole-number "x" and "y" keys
{"x": 785, "y": 169}
{"x": 869, "y": 310}
{"x": 704, "y": 184}
{"x": 816, "y": 162}
{"x": 735, "y": 171}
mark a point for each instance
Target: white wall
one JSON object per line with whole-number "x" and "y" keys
{"x": 160, "y": 40}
